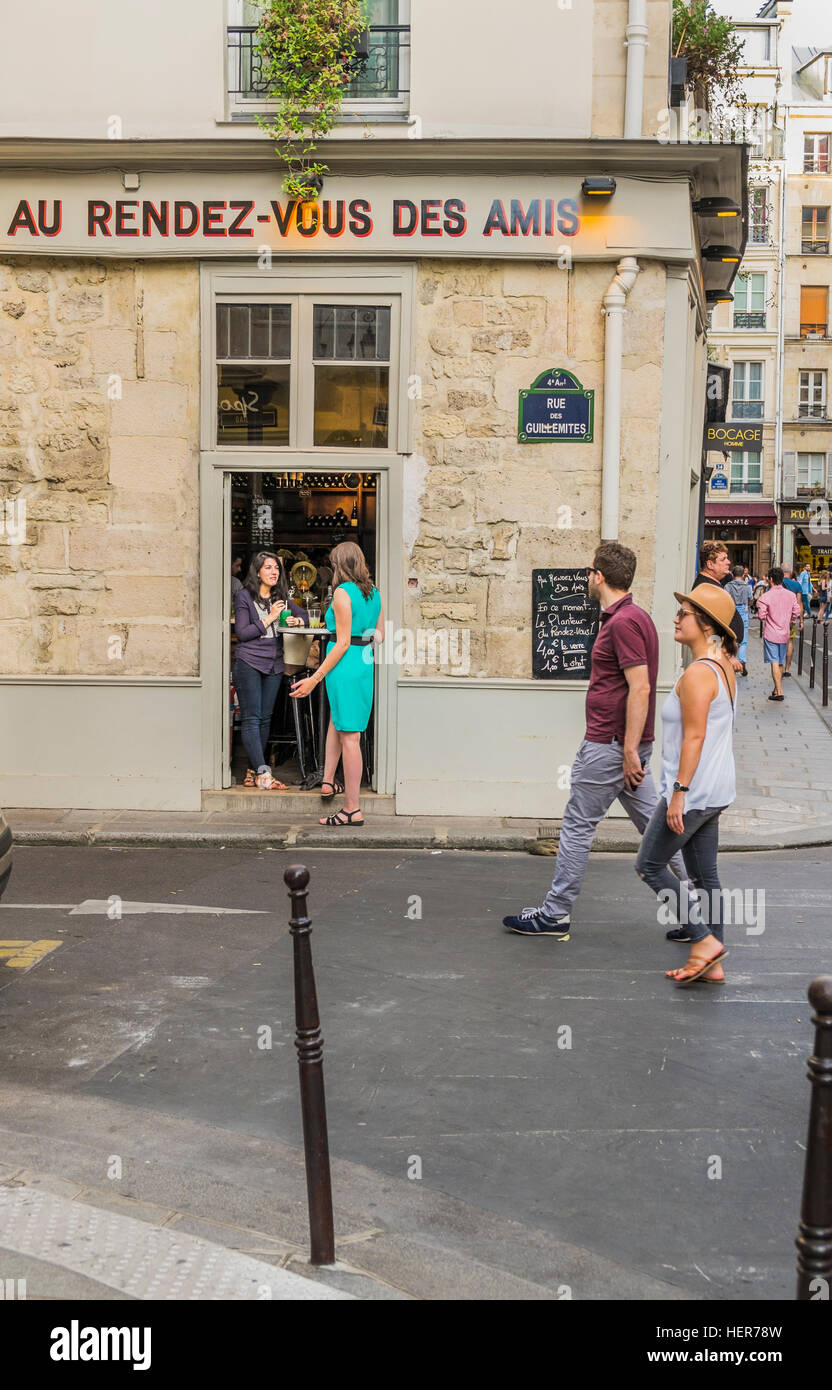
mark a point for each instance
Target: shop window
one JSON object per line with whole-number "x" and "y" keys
{"x": 253, "y": 373}
{"x": 302, "y": 373}
{"x": 813, "y": 301}
{"x": 815, "y": 232}
{"x": 812, "y": 396}
{"x": 746, "y": 471}
{"x": 816, "y": 154}
{"x": 747, "y": 403}
{"x": 750, "y": 300}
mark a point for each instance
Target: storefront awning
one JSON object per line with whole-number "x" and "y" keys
{"x": 741, "y": 514}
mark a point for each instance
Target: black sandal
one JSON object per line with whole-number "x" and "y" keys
{"x": 343, "y": 817}
{"x": 336, "y": 790}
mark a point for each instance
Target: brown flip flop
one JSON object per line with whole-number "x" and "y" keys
{"x": 705, "y": 965}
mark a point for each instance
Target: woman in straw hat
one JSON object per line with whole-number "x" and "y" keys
{"x": 697, "y": 780}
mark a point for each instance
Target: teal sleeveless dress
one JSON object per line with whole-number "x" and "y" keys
{"x": 349, "y": 685}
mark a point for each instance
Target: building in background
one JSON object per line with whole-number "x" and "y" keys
{"x": 194, "y": 366}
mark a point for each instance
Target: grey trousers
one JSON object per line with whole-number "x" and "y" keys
{"x": 597, "y": 779}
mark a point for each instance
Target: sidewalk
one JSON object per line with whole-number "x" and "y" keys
{"x": 784, "y": 780}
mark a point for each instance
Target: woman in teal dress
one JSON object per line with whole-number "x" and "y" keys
{"x": 355, "y": 613}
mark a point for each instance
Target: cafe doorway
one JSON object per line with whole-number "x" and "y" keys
{"x": 300, "y": 517}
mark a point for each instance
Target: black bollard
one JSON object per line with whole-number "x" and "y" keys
{"x": 825, "y": 673}
{"x": 812, "y": 653}
{"x": 310, "y": 1045}
{"x": 814, "y": 1244}
{"x": 800, "y": 652}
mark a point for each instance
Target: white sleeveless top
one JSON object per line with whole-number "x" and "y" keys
{"x": 714, "y": 781}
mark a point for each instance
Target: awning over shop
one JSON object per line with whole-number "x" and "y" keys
{"x": 741, "y": 514}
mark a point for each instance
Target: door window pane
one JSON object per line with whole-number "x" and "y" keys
{"x": 352, "y": 332}
{"x": 253, "y": 404}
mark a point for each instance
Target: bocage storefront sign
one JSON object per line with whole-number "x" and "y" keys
{"x": 733, "y": 434}
{"x": 235, "y": 213}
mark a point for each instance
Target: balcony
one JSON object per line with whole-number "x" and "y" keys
{"x": 746, "y": 410}
{"x": 813, "y": 330}
{"x": 812, "y": 412}
{"x": 814, "y": 246}
{"x": 381, "y": 76}
{"x": 749, "y": 318}
{"x": 760, "y": 234}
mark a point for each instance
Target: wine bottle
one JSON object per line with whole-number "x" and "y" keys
{"x": 354, "y": 517}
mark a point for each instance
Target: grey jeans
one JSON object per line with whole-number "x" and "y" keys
{"x": 597, "y": 779}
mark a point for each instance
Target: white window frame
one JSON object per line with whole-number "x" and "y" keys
{"x": 764, "y": 223}
{"x": 811, "y": 394}
{"x": 816, "y": 137}
{"x": 377, "y": 107}
{"x": 741, "y": 371}
{"x": 804, "y": 464}
{"x": 745, "y": 282}
{"x": 745, "y": 32}
{"x": 745, "y": 459}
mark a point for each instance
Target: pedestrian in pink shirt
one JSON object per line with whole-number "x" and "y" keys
{"x": 778, "y": 608}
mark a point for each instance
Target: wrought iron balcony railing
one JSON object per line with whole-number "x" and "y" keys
{"x": 814, "y": 246}
{"x": 760, "y": 234}
{"x": 749, "y": 318}
{"x": 816, "y": 164}
{"x": 811, "y": 412}
{"x": 380, "y": 76}
{"x": 813, "y": 330}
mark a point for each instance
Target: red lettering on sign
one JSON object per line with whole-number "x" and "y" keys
{"x": 22, "y": 218}
{"x": 57, "y": 215}
{"x": 361, "y": 223}
{"x": 124, "y": 209}
{"x": 98, "y": 217}
{"x": 236, "y": 228}
{"x": 212, "y": 219}
{"x": 340, "y": 220}
{"x": 160, "y": 217}
{"x": 496, "y": 220}
{"x": 314, "y": 219}
{"x": 179, "y": 211}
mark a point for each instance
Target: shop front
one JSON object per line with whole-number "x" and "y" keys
{"x": 747, "y": 530}
{"x": 475, "y": 376}
{"x": 807, "y": 537}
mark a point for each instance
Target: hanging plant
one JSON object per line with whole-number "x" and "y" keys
{"x": 713, "y": 51}
{"x": 309, "y": 54}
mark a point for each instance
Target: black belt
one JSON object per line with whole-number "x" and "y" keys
{"x": 328, "y": 636}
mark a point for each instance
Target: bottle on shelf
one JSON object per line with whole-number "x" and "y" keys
{"x": 354, "y": 516}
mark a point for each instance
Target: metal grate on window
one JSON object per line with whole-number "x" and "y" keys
{"x": 351, "y": 333}
{"x": 254, "y": 332}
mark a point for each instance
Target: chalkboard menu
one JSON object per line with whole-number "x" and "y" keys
{"x": 564, "y": 624}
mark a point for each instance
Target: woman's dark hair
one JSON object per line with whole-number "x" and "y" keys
{"x": 252, "y": 579}
{"x": 349, "y": 565}
{"x": 776, "y": 575}
{"x": 705, "y": 622}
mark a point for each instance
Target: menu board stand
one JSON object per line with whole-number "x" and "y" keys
{"x": 564, "y": 624}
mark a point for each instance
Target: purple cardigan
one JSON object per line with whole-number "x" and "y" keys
{"x": 254, "y": 646}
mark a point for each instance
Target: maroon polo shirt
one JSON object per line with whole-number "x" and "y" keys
{"x": 626, "y": 637}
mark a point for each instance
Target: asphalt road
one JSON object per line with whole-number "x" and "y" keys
{"x": 569, "y": 1087}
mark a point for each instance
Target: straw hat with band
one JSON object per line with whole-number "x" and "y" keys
{"x": 713, "y": 603}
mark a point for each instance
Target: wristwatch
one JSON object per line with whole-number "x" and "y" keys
{"x": 677, "y": 787}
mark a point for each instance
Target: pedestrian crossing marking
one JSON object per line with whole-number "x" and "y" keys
{"x": 20, "y": 955}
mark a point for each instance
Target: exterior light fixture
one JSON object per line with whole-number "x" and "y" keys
{"x": 716, "y": 207}
{"x": 718, "y": 297}
{"x": 728, "y": 255}
{"x": 599, "y": 186}
{"x": 131, "y": 182}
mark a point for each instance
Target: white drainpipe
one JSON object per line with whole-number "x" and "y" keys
{"x": 615, "y": 301}
{"x": 636, "y": 32}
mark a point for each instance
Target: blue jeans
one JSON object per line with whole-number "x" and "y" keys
{"x": 256, "y": 694}
{"x": 742, "y": 651}
{"x": 698, "y": 842}
{"x": 807, "y": 604}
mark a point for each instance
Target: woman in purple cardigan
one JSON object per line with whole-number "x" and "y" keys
{"x": 259, "y": 667}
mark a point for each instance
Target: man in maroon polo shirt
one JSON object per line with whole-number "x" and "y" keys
{"x": 613, "y": 759}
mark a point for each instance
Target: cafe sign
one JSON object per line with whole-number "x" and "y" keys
{"x": 556, "y": 408}
{"x": 733, "y": 434}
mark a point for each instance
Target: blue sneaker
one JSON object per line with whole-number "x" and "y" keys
{"x": 532, "y": 922}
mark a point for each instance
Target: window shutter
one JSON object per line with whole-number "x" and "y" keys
{"x": 790, "y": 475}
{"x": 828, "y": 473}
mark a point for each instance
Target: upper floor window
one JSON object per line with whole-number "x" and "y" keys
{"x": 759, "y": 234}
{"x": 750, "y": 300}
{"x": 816, "y": 154}
{"x": 747, "y": 402}
{"x": 813, "y": 311}
{"x": 756, "y": 46}
{"x": 746, "y": 470}
{"x": 810, "y": 471}
{"x": 381, "y": 73}
{"x": 815, "y": 232}
{"x": 812, "y": 398}
{"x": 299, "y": 371}
{"x": 827, "y": 76}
